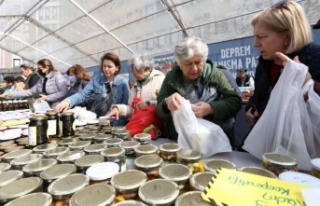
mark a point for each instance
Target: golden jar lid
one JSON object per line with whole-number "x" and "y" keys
{"x": 94, "y": 148}
{"x": 70, "y": 156}
{"x": 37, "y": 199}
{"x": 7, "y": 146}
{"x": 128, "y": 180}
{"x": 146, "y": 149}
{"x": 87, "y": 136}
{"x": 9, "y": 176}
{"x": 68, "y": 185}
{"x": 175, "y": 172}
{"x": 170, "y": 147}
{"x": 88, "y": 160}
{"x": 259, "y": 171}
{"x": 158, "y": 192}
{"x": 279, "y": 159}
{"x": 67, "y": 114}
{"x": 214, "y": 164}
{"x": 58, "y": 171}
{"x": 79, "y": 145}
{"x": 102, "y": 137}
{"x": 56, "y": 151}
{"x": 148, "y": 161}
{"x": 44, "y": 147}
{"x": 188, "y": 154}
{"x": 4, "y": 167}
{"x": 39, "y": 165}
{"x": 113, "y": 152}
{"x": 38, "y": 118}
{"x": 200, "y": 180}
{"x": 66, "y": 141}
{"x": 113, "y": 142}
{"x": 25, "y": 159}
{"x": 129, "y": 144}
{"x": 192, "y": 198}
{"x": 130, "y": 203}
{"x": 142, "y": 137}
{"x": 6, "y": 143}
{"x": 16, "y": 154}
{"x": 15, "y": 148}
{"x": 19, "y": 188}
{"x": 98, "y": 194}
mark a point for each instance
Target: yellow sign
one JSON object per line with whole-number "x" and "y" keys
{"x": 235, "y": 188}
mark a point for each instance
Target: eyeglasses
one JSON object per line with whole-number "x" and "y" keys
{"x": 280, "y": 5}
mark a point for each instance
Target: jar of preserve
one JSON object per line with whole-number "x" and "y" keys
{"x": 122, "y": 134}
{"x": 129, "y": 147}
{"x": 57, "y": 171}
{"x": 143, "y": 138}
{"x": 199, "y": 181}
{"x": 38, "y": 199}
{"x": 191, "y": 199}
{"x": 101, "y": 137}
{"x": 15, "y": 154}
{"x": 192, "y": 159}
{"x": 35, "y": 168}
{"x": 105, "y": 129}
{"x": 66, "y": 141}
{"x": 150, "y": 164}
{"x": 116, "y": 155}
{"x": 15, "y": 105}
{"x": 9, "y": 176}
{"x": 68, "y": 126}
{"x": 177, "y": 173}
{"x": 84, "y": 162}
{"x": 258, "y": 171}
{"x": 78, "y": 145}
{"x": 94, "y": 148}
{"x": 18, "y": 163}
{"x": 53, "y": 124}
{"x": 113, "y": 142}
{"x": 278, "y": 163}
{"x": 4, "y": 167}
{"x": 70, "y": 156}
{"x": 40, "y": 149}
{"x": 147, "y": 149}
{"x": 315, "y": 171}
{"x": 168, "y": 151}
{"x": 116, "y": 128}
{"x": 87, "y": 137}
{"x": 130, "y": 203}
{"x": 102, "y": 172}
{"x": 15, "y": 148}
{"x": 37, "y": 132}
{"x": 55, "y": 152}
{"x": 213, "y": 165}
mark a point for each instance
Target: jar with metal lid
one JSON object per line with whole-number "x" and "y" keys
{"x": 150, "y": 164}
{"x": 44, "y": 147}
{"x": 117, "y": 155}
{"x": 177, "y": 173}
{"x": 105, "y": 129}
{"x": 213, "y": 164}
{"x": 70, "y": 156}
{"x": 18, "y": 163}
{"x": 147, "y": 149}
{"x": 37, "y": 130}
{"x": 83, "y": 163}
{"x": 99, "y": 194}
{"x": 113, "y": 142}
{"x": 168, "y": 151}
{"x": 143, "y": 138}
{"x": 23, "y": 141}
{"x": 19, "y": 188}
{"x": 100, "y": 138}
{"x": 94, "y": 148}
{"x": 192, "y": 159}
{"x": 38, "y": 199}
{"x": 127, "y": 184}
{"x": 53, "y": 124}
{"x": 130, "y": 203}
{"x": 62, "y": 189}
{"x": 66, "y": 141}
{"x": 116, "y": 128}
{"x": 258, "y": 171}
{"x": 35, "y": 168}
{"x": 15, "y": 154}
{"x": 200, "y": 180}
{"x": 4, "y": 167}
{"x": 102, "y": 172}
{"x": 159, "y": 192}
{"x": 68, "y": 126}
{"x": 55, "y": 152}
{"x": 278, "y": 163}
{"x": 5, "y": 144}
{"x": 315, "y": 170}
{"x": 9, "y": 176}
{"x": 192, "y": 198}
{"x": 57, "y": 171}
{"x": 87, "y": 136}
{"x": 79, "y": 145}
{"x": 15, "y": 148}
{"x": 129, "y": 147}
{"x": 122, "y": 134}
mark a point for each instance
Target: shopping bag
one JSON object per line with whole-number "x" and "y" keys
{"x": 197, "y": 133}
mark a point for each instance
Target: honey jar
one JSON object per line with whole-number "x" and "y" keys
{"x": 147, "y": 149}
{"x": 116, "y": 155}
{"x": 192, "y": 159}
{"x": 79, "y": 145}
{"x": 168, "y": 151}
{"x": 7, "y": 158}
{"x": 214, "y": 164}
{"x": 150, "y": 164}
{"x": 44, "y": 147}
{"x": 83, "y": 163}
{"x": 38, "y": 199}
{"x": 70, "y": 156}
{"x": 122, "y": 134}
{"x": 192, "y": 198}
{"x": 101, "y": 137}
{"x": 278, "y": 163}
{"x": 116, "y": 128}
{"x": 143, "y": 138}
{"x": 66, "y": 141}
{"x": 57, "y": 171}
{"x": 94, "y": 148}
{"x": 113, "y": 142}
{"x": 35, "y": 168}
{"x": 258, "y": 171}
{"x": 129, "y": 147}
{"x": 18, "y": 163}
{"x": 67, "y": 124}
{"x": 9, "y": 176}
{"x": 102, "y": 172}
{"x": 55, "y": 152}
{"x": 177, "y": 173}
{"x": 87, "y": 137}
{"x": 200, "y": 180}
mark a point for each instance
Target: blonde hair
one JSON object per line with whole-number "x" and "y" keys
{"x": 287, "y": 16}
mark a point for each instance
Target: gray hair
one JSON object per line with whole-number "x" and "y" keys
{"x": 190, "y": 47}
{"x": 142, "y": 62}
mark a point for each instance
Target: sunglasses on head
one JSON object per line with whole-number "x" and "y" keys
{"x": 280, "y": 5}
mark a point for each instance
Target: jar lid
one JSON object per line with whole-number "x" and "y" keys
{"x": 113, "y": 141}
{"x": 9, "y": 176}
{"x": 192, "y": 198}
{"x": 102, "y": 137}
{"x": 88, "y": 160}
{"x": 98, "y": 194}
{"x": 51, "y": 113}
{"x": 58, "y": 171}
{"x": 188, "y": 154}
{"x": 130, "y": 203}
{"x": 259, "y": 171}
{"x": 4, "y": 167}
{"x": 170, "y": 147}
{"x": 146, "y": 149}
{"x": 16, "y": 154}
{"x": 129, "y": 144}
{"x": 26, "y": 159}
{"x": 66, "y": 141}
{"x": 10, "y": 142}
{"x": 68, "y": 185}
{"x": 19, "y": 187}
{"x": 214, "y": 164}
{"x": 39, "y": 199}
{"x": 123, "y": 132}
{"x": 70, "y": 156}
{"x": 22, "y": 139}
{"x": 67, "y": 114}
{"x": 79, "y": 144}
{"x": 38, "y": 118}
{"x": 316, "y": 163}
{"x": 102, "y": 171}
{"x": 300, "y": 178}
{"x": 200, "y": 180}
{"x": 39, "y": 165}
{"x": 15, "y": 148}
{"x": 94, "y": 148}
{"x": 175, "y": 172}
{"x": 113, "y": 152}
{"x": 128, "y": 180}
{"x": 6, "y": 146}
{"x": 56, "y": 151}
{"x": 86, "y": 136}
{"x": 142, "y": 136}
{"x": 159, "y": 191}
{"x": 115, "y": 128}
{"x": 279, "y": 159}
{"x": 148, "y": 161}
{"x": 44, "y": 147}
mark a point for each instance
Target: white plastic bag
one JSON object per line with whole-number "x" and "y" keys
{"x": 41, "y": 106}
{"x": 199, "y": 134}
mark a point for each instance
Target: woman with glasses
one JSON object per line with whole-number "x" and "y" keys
{"x": 52, "y": 86}
{"x": 282, "y": 28}
{"x": 106, "y": 89}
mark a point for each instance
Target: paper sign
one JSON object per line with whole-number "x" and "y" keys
{"x": 311, "y": 196}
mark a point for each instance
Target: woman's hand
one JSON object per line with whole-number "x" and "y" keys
{"x": 174, "y": 101}
{"x": 5, "y": 95}
{"x": 114, "y": 113}
{"x": 202, "y": 109}
{"x": 62, "y": 106}
{"x": 42, "y": 97}
{"x": 252, "y": 118}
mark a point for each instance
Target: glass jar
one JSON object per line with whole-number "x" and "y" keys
{"x": 258, "y": 171}
{"x": 116, "y": 155}
{"x": 66, "y": 141}
{"x": 150, "y": 164}
{"x": 38, "y": 199}
{"x": 53, "y": 124}
{"x": 200, "y": 180}
{"x": 143, "y": 138}
{"x": 37, "y": 130}
{"x": 95, "y": 148}
{"x": 147, "y": 149}
{"x": 40, "y": 149}
{"x": 18, "y": 163}
{"x": 55, "y": 152}
{"x": 99, "y": 194}
{"x": 122, "y": 134}
{"x": 35, "y": 168}
{"x": 19, "y": 188}
{"x": 116, "y": 128}
{"x": 105, "y": 129}
{"x": 57, "y": 171}
{"x": 278, "y": 163}
{"x": 15, "y": 148}
{"x": 129, "y": 147}
{"x": 102, "y": 172}
{"x": 78, "y": 145}
{"x": 4, "y": 167}
{"x": 192, "y": 159}
{"x": 168, "y": 151}
{"x": 159, "y": 192}
{"x": 62, "y": 189}
{"x": 127, "y": 184}
{"x": 315, "y": 171}
{"x": 130, "y": 203}
{"x": 100, "y": 138}
{"x": 214, "y": 164}
{"x": 87, "y": 137}
{"x": 15, "y": 154}
{"x": 83, "y": 163}
{"x": 70, "y": 156}
{"x": 9, "y": 176}
{"x": 68, "y": 126}
{"x": 177, "y": 173}
{"x": 113, "y": 142}
{"x": 192, "y": 198}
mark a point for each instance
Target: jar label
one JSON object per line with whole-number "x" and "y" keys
{"x": 52, "y": 127}
{"x": 32, "y": 133}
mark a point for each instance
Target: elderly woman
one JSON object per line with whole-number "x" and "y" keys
{"x": 106, "y": 89}
{"x": 200, "y": 82}
{"x": 282, "y": 28}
